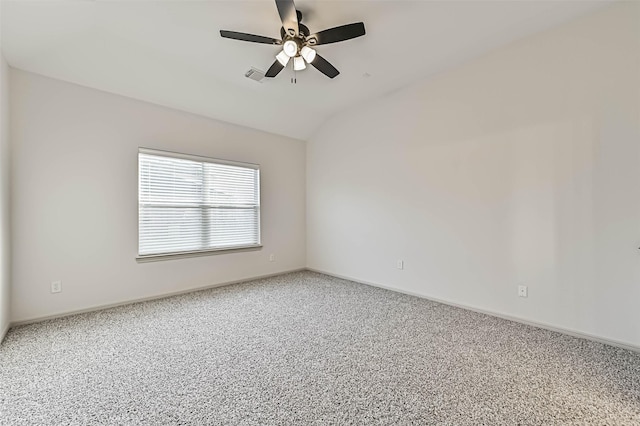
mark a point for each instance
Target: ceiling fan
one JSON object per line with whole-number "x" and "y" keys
{"x": 297, "y": 41}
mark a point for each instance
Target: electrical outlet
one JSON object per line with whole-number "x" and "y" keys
{"x": 56, "y": 286}
{"x": 522, "y": 291}
{"x": 400, "y": 264}
{"x": 272, "y": 257}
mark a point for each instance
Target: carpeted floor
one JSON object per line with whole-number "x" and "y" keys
{"x": 304, "y": 348}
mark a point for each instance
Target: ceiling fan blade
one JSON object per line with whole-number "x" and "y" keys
{"x": 334, "y": 35}
{"x": 325, "y": 67}
{"x": 288, "y": 16}
{"x": 274, "y": 69}
{"x": 249, "y": 37}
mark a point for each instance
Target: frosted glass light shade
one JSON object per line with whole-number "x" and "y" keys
{"x": 283, "y": 58}
{"x": 298, "y": 63}
{"x": 308, "y": 54}
{"x": 290, "y": 48}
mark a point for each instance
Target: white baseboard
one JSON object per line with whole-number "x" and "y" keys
{"x": 550, "y": 327}
{"x": 144, "y": 299}
{"x": 4, "y": 332}
{"x": 574, "y": 333}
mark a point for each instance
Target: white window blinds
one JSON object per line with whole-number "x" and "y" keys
{"x": 188, "y": 203}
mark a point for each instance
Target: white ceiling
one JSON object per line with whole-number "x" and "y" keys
{"x": 171, "y": 53}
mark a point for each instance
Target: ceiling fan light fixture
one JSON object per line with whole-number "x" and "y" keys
{"x": 297, "y": 41}
{"x": 283, "y": 58}
{"x": 298, "y": 63}
{"x": 308, "y": 54}
{"x": 290, "y": 48}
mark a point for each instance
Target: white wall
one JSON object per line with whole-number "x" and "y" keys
{"x": 5, "y": 234}
{"x": 74, "y": 189}
{"x": 521, "y": 167}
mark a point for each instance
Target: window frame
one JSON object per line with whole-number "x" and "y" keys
{"x": 202, "y": 252}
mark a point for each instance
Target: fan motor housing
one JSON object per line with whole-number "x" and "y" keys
{"x": 303, "y": 30}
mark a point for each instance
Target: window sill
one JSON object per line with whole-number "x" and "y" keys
{"x": 198, "y": 253}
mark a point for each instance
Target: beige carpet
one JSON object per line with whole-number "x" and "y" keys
{"x": 304, "y": 348}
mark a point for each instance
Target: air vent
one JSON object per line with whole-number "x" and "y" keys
{"x": 255, "y": 74}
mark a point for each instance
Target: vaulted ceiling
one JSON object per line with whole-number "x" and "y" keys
{"x": 171, "y": 53}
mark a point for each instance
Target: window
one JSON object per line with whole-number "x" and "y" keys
{"x": 190, "y": 204}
